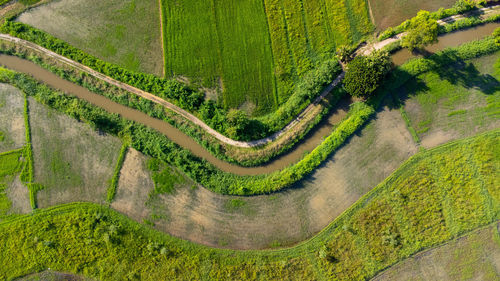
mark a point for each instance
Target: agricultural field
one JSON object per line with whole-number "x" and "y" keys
{"x": 454, "y": 102}
{"x": 72, "y": 161}
{"x": 475, "y": 256}
{"x": 126, "y": 33}
{"x": 404, "y": 187}
{"x": 387, "y": 13}
{"x": 255, "y": 60}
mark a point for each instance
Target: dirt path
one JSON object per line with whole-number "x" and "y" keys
{"x": 483, "y": 12}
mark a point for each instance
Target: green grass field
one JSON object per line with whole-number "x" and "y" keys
{"x": 71, "y": 160}
{"x": 435, "y": 196}
{"x": 221, "y": 45}
{"x": 253, "y": 52}
{"x": 127, "y": 32}
{"x": 10, "y": 165}
{"x": 454, "y": 102}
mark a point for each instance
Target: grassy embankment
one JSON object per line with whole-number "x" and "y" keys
{"x": 435, "y": 196}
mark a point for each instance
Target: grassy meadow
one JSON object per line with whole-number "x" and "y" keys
{"x": 71, "y": 160}
{"x": 454, "y": 102}
{"x": 126, "y": 33}
{"x": 435, "y": 196}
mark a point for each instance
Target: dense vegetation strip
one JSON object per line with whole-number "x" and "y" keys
{"x": 408, "y": 212}
{"x": 154, "y": 144}
{"x": 113, "y": 185}
{"x": 27, "y": 174}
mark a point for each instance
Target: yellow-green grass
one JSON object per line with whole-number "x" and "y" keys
{"x": 419, "y": 206}
{"x": 10, "y": 164}
{"x": 470, "y": 257}
{"x": 253, "y": 52}
{"x": 126, "y": 32}
{"x": 387, "y": 13}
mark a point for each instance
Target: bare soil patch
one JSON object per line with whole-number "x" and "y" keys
{"x": 473, "y": 257}
{"x": 72, "y": 161}
{"x": 18, "y": 194}
{"x": 134, "y": 185}
{"x": 11, "y": 118}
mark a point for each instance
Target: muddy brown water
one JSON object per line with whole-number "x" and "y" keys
{"x": 452, "y": 39}
{"x": 313, "y": 139}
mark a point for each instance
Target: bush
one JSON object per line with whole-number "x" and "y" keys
{"x": 365, "y": 73}
{"x": 421, "y": 31}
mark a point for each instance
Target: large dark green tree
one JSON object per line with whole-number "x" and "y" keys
{"x": 421, "y": 31}
{"x": 364, "y": 73}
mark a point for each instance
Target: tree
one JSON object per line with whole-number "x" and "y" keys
{"x": 364, "y": 73}
{"x": 422, "y": 30}
{"x": 238, "y": 123}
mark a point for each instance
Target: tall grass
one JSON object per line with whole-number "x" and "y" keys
{"x": 224, "y": 45}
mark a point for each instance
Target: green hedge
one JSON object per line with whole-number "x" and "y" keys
{"x": 113, "y": 185}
